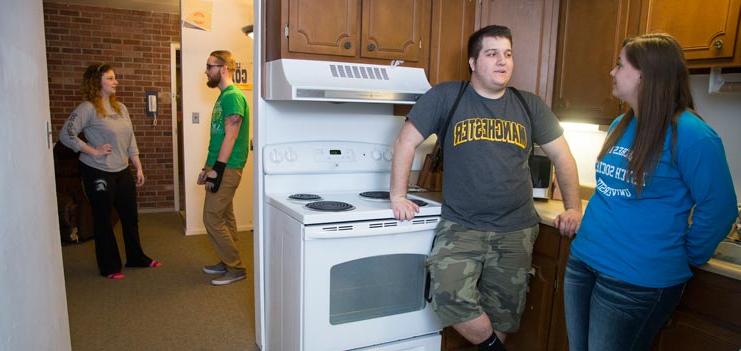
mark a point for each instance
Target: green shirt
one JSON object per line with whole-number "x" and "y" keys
{"x": 231, "y": 102}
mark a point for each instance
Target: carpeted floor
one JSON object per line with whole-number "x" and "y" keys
{"x": 173, "y": 307}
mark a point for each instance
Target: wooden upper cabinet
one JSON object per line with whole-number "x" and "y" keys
{"x": 395, "y": 29}
{"x": 453, "y": 21}
{"x": 370, "y": 31}
{"x": 591, "y": 34}
{"x": 310, "y": 31}
{"x": 705, "y": 29}
{"x": 534, "y": 25}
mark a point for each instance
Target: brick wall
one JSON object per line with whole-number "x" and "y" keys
{"x": 137, "y": 43}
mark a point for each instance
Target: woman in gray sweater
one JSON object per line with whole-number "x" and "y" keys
{"x": 104, "y": 168}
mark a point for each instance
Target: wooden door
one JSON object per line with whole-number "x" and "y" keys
{"x": 534, "y": 25}
{"x": 32, "y": 286}
{"x": 327, "y": 27}
{"x": 395, "y": 30}
{"x": 709, "y": 32}
{"x": 536, "y": 320}
{"x": 590, "y": 38}
{"x": 452, "y": 23}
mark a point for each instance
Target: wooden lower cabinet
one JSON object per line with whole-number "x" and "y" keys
{"x": 690, "y": 332}
{"x": 536, "y": 321}
{"x": 707, "y": 318}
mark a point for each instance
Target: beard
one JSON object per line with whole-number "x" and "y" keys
{"x": 213, "y": 82}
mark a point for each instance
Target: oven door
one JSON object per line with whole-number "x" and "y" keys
{"x": 365, "y": 283}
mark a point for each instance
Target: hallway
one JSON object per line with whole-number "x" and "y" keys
{"x": 172, "y": 307}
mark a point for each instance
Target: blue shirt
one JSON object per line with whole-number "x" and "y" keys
{"x": 647, "y": 240}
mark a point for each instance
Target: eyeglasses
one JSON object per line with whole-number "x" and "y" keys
{"x": 209, "y": 66}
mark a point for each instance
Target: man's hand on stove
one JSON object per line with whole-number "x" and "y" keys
{"x": 404, "y": 209}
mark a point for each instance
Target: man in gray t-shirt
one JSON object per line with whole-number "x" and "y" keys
{"x": 488, "y": 211}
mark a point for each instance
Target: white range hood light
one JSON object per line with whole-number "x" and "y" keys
{"x": 310, "y": 80}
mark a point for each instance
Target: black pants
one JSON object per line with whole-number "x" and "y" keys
{"x": 106, "y": 191}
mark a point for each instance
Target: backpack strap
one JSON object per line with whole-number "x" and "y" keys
{"x": 441, "y": 138}
{"x": 527, "y": 112}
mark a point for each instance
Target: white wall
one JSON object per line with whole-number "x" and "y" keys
{"x": 723, "y": 112}
{"x": 33, "y": 307}
{"x": 585, "y": 144}
{"x": 228, "y": 17}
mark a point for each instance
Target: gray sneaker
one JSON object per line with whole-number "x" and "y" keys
{"x": 219, "y": 268}
{"x": 229, "y": 277}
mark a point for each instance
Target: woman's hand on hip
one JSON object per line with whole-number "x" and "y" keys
{"x": 102, "y": 150}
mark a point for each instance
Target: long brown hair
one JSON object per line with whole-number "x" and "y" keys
{"x": 663, "y": 93}
{"x": 90, "y": 87}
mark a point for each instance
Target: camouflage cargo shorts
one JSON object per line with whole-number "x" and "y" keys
{"x": 475, "y": 272}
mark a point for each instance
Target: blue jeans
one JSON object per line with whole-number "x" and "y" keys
{"x": 606, "y": 314}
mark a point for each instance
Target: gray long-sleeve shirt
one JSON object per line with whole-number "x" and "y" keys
{"x": 115, "y": 129}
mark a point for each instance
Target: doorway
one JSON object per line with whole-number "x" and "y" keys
{"x": 177, "y": 126}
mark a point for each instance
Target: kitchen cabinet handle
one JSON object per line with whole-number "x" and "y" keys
{"x": 718, "y": 44}
{"x": 347, "y": 45}
{"x": 371, "y": 47}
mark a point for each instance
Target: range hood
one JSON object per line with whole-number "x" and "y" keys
{"x": 310, "y": 80}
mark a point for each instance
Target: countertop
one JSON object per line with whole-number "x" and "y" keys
{"x": 549, "y": 209}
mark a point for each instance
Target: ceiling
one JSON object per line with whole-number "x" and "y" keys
{"x": 167, "y": 6}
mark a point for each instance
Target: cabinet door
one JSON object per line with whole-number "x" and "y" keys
{"x": 590, "y": 38}
{"x": 536, "y": 320}
{"x": 395, "y": 29}
{"x": 709, "y": 32}
{"x": 533, "y": 333}
{"x": 686, "y": 331}
{"x": 557, "y": 339}
{"x": 327, "y": 27}
{"x": 534, "y": 25}
{"x": 452, "y": 24}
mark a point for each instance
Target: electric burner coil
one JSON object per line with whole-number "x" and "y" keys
{"x": 330, "y": 206}
{"x": 305, "y": 197}
{"x": 378, "y": 195}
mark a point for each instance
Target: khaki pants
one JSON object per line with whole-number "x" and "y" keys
{"x": 218, "y": 217}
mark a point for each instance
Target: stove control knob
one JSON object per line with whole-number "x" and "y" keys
{"x": 376, "y": 155}
{"x": 291, "y": 156}
{"x": 387, "y": 155}
{"x": 276, "y": 156}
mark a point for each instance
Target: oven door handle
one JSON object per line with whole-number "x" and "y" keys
{"x": 428, "y": 282}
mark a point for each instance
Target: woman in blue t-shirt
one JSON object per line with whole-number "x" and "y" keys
{"x": 632, "y": 254}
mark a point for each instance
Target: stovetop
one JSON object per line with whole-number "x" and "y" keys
{"x": 362, "y": 208}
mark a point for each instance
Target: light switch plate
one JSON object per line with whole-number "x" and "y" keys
{"x": 196, "y": 118}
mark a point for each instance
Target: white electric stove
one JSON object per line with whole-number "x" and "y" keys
{"x": 341, "y": 272}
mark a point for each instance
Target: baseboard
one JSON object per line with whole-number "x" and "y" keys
{"x": 157, "y": 210}
{"x": 202, "y": 230}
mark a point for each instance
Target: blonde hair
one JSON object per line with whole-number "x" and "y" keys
{"x": 90, "y": 87}
{"x": 226, "y": 58}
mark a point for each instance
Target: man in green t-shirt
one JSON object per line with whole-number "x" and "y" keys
{"x": 227, "y": 154}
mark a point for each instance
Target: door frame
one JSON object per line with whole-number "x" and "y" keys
{"x": 174, "y": 47}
